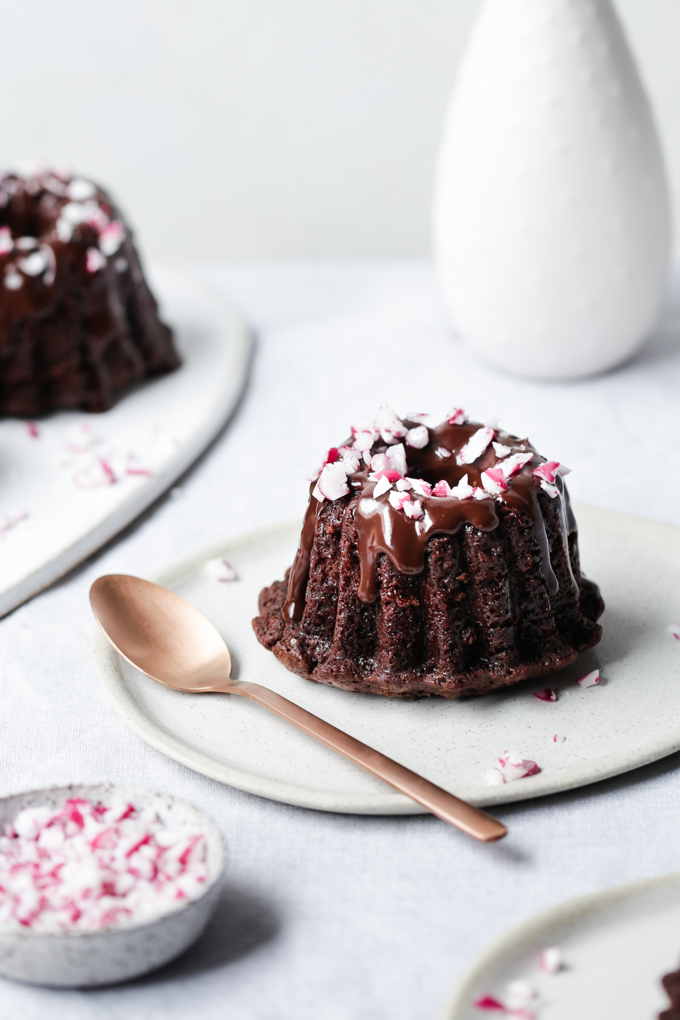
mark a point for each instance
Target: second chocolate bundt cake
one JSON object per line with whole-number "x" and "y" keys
{"x": 78, "y": 323}
{"x": 432, "y": 561}
{"x": 671, "y": 984}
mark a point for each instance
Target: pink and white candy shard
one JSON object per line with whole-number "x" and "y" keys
{"x": 463, "y": 490}
{"x": 391, "y": 428}
{"x": 397, "y": 499}
{"x": 94, "y": 464}
{"x": 475, "y": 446}
{"x": 418, "y": 437}
{"x": 558, "y": 738}
{"x": 11, "y": 519}
{"x": 552, "y": 490}
{"x": 442, "y": 490}
{"x": 547, "y": 694}
{"x": 519, "y": 1002}
{"x": 550, "y": 960}
{"x": 382, "y": 485}
{"x": 442, "y": 452}
{"x": 456, "y": 416}
{"x": 488, "y": 1004}
{"x": 494, "y": 481}
{"x": 515, "y": 463}
{"x": 332, "y": 483}
{"x": 546, "y": 472}
{"x": 32, "y": 430}
{"x": 413, "y": 509}
{"x": 220, "y": 570}
{"x": 589, "y": 679}
{"x": 674, "y": 631}
{"x": 520, "y": 995}
{"x": 501, "y": 450}
{"x": 420, "y": 487}
{"x": 511, "y": 766}
{"x": 90, "y": 866}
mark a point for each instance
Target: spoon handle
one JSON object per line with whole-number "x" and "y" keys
{"x": 450, "y": 809}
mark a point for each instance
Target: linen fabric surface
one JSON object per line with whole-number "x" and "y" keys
{"x": 328, "y": 915}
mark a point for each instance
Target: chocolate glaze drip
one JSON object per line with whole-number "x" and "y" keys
{"x": 382, "y": 529}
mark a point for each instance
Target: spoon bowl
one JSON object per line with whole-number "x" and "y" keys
{"x": 160, "y": 634}
{"x": 170, "y": 641}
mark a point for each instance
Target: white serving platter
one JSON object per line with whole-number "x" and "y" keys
{"x": 616, "y": 946}
{"x": 62, "y": 515}
{"x": 630, "y": 719}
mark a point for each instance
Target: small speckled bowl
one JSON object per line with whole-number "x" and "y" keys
{"x": 86, "y": 959}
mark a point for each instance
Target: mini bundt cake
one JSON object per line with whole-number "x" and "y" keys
{"x": 78, "y": 323}
{"x": 432, "y": 561}
{"x": 671, "y": 984}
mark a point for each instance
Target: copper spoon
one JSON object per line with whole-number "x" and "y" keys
{"x": 172, "y": 642}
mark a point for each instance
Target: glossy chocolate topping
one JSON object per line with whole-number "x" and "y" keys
{"x": 382, "y": 528}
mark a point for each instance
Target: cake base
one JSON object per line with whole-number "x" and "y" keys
{"x": 476, "y": 619}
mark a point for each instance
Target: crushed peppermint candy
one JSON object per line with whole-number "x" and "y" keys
{"x": 511, "y": 766}
{"x": 332, "y": 483}
{"x": 552, "y": 490}
{"x": 519, "y": 1003}
{"x": 442, "y": 490}
{"x": 413, "y": 509}
{"x": 11, "y": 519}
{"x": 94, "y": 464}
{"x": 558, "y": 738}
{"x": 463, "y": 490}
{"x": 475, "y": 446}
{"x": 388, "y": 466}
{"x": 91, "y": 866}
{"x": 94, "y": 260}
{"x": 515, "y": 463}
{"x": 494, "y": 481}
{"x": 418, "y": 437}
{"x": 6, "y": 242}
{"x": 383, "y": 485}
{"x": 550, "y": 960}
{"x": 674, "y": 631}
{"x": 589, "y": 679}
{"x": 32, "y": 430}
{"x": 220, "y": 570}
{"x": 546, "y": 472}
{"x": 489, "y": 1004}
{"x": 547, "y": 694}
{"x": 456, "y": 416}
{"x": 420, "y": 487}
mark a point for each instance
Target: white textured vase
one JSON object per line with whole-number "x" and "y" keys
{"x": 551, "y": 213}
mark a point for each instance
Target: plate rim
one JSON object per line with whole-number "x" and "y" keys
{"x": 106, "y": 660}
{"x": 540, "y": 923}
{"x": 63, "y": 562}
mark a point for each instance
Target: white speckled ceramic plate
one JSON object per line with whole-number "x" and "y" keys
{"x": 616, "y": 946}
{"x": 167, "y": 421}
{"x": 630, "y": 719}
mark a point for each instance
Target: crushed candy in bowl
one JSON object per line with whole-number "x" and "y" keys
{"x": 88, "y": 865}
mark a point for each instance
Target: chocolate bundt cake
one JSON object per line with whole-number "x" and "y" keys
{"x": 432, "y": 561}
{"x": 78, "y": 324}
{"x": 671, "y": 984}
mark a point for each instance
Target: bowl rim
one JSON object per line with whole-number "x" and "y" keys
{"x": 212, "y": 832}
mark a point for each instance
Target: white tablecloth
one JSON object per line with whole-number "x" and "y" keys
{"x": 327, "y": 915}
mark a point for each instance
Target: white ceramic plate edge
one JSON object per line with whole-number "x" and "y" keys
{"x": 541, "y": 785}
{"x": 60, "y": 565}
{"x": 538, "y": 926}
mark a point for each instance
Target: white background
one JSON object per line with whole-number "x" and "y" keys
{"x": 235, "y": 129}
